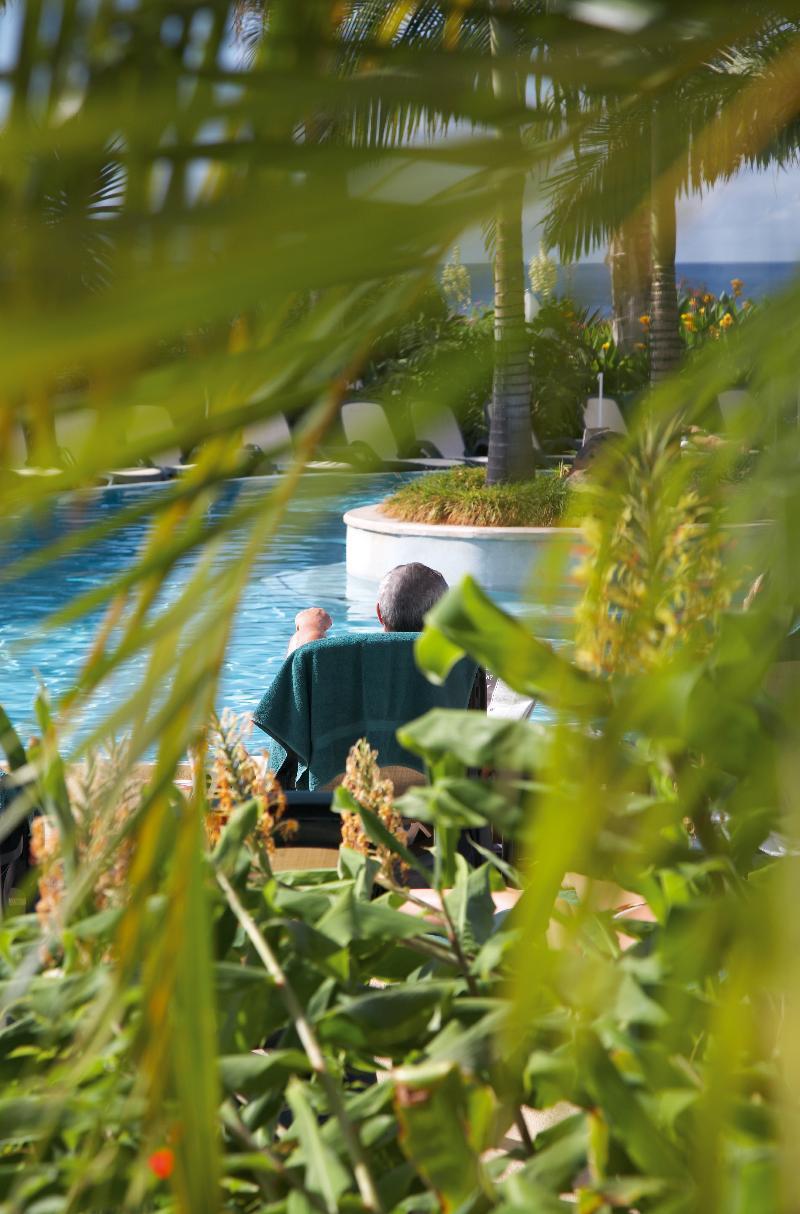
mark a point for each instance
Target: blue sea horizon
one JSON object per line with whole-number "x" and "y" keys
{"x": 589, "y": 284}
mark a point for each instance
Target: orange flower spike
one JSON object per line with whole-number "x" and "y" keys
{"x": 162, "y": 1162}
{"x": 644, "y": 321}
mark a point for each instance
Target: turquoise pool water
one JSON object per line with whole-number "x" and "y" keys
{"x": 304, "y": 565}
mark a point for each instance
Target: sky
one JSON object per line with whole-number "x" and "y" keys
{"x": 753, "y": 217}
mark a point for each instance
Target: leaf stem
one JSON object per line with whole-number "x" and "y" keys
{"x": 240, "y": 1130}
{"x": 463, "y": 964}
{"x": 308, "y": 1039}
{"x": 450, "y": 929}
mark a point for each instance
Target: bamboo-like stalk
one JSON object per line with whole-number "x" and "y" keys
{"x": 308, "y": 1039}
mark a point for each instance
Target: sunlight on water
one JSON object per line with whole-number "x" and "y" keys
{"x": 304, "y": 565}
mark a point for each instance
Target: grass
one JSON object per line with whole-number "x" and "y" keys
{"x": 461, "y": 496}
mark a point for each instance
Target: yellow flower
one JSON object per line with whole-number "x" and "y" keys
{"x": 709, "y": 298}
{"x": 644, "y": 321}
{"x": 737, "y": 285}
{"x": 686, "y": 316}
{"x": 640, "y": 345}
{"x": 727, "y": 321}
{"x": 606, "y": 345}
{"x": 702, "y": 311}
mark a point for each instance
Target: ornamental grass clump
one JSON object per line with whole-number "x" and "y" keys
{"x": 102, "y": 804}
{"x": 461, "y": 497}
{"x": 654, "y": 576}
{"x": 375, "y": 793}
{"x": 238, "y": 777}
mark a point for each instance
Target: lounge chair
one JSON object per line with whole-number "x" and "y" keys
{"x": 81, "y": 429}
{"x": 17, "y": 455}
{"x": 273, "y": 437}
{"x": 732, "y": 404}
{"x": 373, "y": 444}
{"x": 154, "y": 425}
{"x": 602, "y": 415}
{"x": 438, "y": 428}
{"x": 330, "y": 693}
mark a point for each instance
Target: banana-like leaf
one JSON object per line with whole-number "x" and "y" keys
{"x": 446, "y": 1122}
{"x": 467, "y": 621}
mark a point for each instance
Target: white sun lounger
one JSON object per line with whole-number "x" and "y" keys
{"x": 154, "y": 424}
{"x": 733, "y": 403}
{"x": 18, "y": 455}
{"x": 365, "y": 423}
{"x": 602, "y": 415}
{"x": 440, "y": 428}
{"x": 273, "y": 436}
{"x": 79, "y": 430}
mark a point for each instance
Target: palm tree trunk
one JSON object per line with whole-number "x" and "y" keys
{"x": 510, "y": 432}
{"x": 666, "y": 348}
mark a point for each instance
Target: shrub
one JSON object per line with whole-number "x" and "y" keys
{"x": 562, "y": 371}
{"x": 624, "y": 374}
{"x": 654, "y": 575}
{"x": 461, "y": 496}
{"x": 438, "y": 357}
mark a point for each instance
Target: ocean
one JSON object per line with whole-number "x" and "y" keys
{"x": 589, "y": 284}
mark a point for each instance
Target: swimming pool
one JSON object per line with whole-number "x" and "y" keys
{"x": 303, "y": 565}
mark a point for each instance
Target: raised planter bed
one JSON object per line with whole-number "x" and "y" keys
{"x": 504, "y": 559}
{"x": 539, "y": 561}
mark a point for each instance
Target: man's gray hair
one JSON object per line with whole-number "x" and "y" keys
{"x": 406, "y": 594}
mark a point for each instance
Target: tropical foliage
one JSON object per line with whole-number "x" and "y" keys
{"x": 187, "y": 1027}
{"x": 658, "y": 774}
{"x": 444, "y": 359}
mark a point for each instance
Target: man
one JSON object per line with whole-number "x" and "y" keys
{"x": 406, "y": 595}
{"x": 332, "y": 691}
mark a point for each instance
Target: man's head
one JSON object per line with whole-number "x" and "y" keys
{"x": 601, "y": 458}
{"x": 406, "y": 594}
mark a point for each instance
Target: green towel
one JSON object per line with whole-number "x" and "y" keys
{"x": 330, "y": 693}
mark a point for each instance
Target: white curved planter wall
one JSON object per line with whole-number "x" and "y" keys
{"x": 505, "y": 559}
{"x": 537, "y": 562}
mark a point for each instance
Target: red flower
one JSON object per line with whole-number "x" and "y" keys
{"x": 161, "y": 1162}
